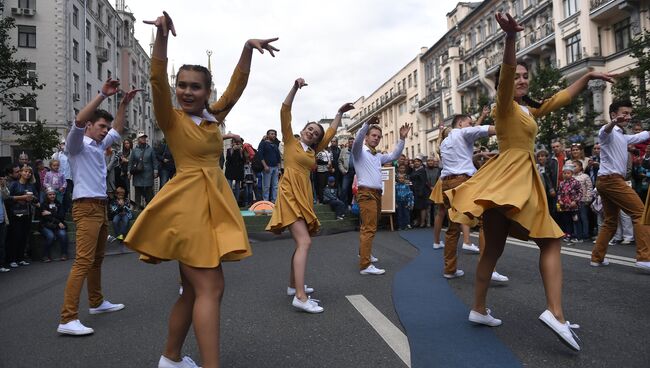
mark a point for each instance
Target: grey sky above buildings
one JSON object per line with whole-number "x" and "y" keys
{"x": 343, "y": 49}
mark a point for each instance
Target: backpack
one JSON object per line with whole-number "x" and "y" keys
{"x": 256, "y": 164}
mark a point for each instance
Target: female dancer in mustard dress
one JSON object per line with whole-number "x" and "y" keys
{"x": 194, "y": 218}
{"x": 509, "y": 193}
{"x": 294, "y": 207}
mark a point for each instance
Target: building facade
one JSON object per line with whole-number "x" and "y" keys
{"x": 74, "y": 46}
{"x": 459, "y": 68}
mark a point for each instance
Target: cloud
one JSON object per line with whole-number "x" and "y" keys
{"x": 343, "y": 49}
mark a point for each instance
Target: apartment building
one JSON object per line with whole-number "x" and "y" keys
{"x": 573, "y": 35}
{"x": 395, "y": 102}
{"x": 73, "y": 47}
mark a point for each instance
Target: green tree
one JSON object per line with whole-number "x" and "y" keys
{"x": 17, "y": 85}
{"x": 546, "y": 81}
{"x": 38, "y": 138}
{"x": 633, "y": 85}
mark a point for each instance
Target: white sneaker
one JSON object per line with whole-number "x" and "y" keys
{"x": 438, "y": 245}
{"x": 471, "y": 248}
{"x": 563, "y": 331}
{"x": 23, "y": 263}
{"x": 310, "y": 305}
{"x": 605, "y": 262}
{"x": 643, "y": 265}
{"x": 111, "y": 238}
{"x": 484, "y": 319}
{"x": 2, "y": 269}
{"x": 497, "y": 277}
{"x": 372, "y": 270}
{"x": 186, "y": 362}
{"x": 291, "y": 291}
{"x": 13, "y": 265}
{"x": 74, "y": 328}
{"x": 627, "y": 241}
{"x": 454, "y": 275}
{"x": 106, "y": 307}
{"x": 180, "y": 290}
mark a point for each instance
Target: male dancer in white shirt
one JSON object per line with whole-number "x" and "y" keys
{"x": 457, "y": 153}
{"x": 367, "y": 163}
{"x": 615, "y": 193}
{"x": 89, "y": 137}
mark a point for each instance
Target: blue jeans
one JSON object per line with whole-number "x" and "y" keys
{"x": 403, "y": 215}
{"x": 50, "y": 235}
{"x": 248, "y": 194}
{"x": 164, "y": 176}
{"x": 582, "y": 226}
{"x": 270, "y": 183}
{"x": 346, "y": 188}
{"x": 236, "y": 187}
{"x": 338, "y": 207}
{"x": 120, "y": 224}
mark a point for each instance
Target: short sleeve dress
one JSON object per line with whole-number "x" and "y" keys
{"x": 194, "y": 218}
{"x": 510, "y": 181}
{"x": 295, "y": 195}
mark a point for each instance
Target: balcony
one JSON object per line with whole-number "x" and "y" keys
{"x": 102, "y": 54}
{"x": 534, "y": 41}
{"x": 607, "y": 10}
{"x": 468, "y": 79}
{"x": 393, "y": 98}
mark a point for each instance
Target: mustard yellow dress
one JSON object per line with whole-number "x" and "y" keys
{"x": 510, "y": 180}
{"x": 194, "y": 218}
{"x": 436, "y": 193}
{"x": 295, "y": 195}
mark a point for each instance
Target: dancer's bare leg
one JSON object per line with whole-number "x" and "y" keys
{"x": 495, "y": 228}
{"x": 301, "y": 236}
{"x": 550, "y": 267}
{"x": 441, "y": 212}
{"x": 466, "y": 230}
{"x": 180, "y": 321}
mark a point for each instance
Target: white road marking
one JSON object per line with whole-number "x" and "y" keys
{"x": 393, "y": 336}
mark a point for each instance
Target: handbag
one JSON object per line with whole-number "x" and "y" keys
{"x": 139, "y": 166}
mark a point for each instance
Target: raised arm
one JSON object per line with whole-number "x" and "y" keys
{"x": 484, "y": 114}
{"x": 576, "y": 87}
{"x": 360, "y": 138}
{"x": 394, "y": 155}
{"x": 331, "y": 131}
{"x": 118, "y": 124}
{"x": 161, "y": 94}
{"x": 285, "y": 111}
{"x": 505, "y": 91}
{"x": 109, "y": 88}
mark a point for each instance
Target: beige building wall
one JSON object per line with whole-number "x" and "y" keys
{"x": 78, "y": 45}
{"x": 395, "y": 102}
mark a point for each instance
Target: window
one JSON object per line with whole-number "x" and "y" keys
{"x": 88, "y": 31}
{"x": 622, "y": 34}
{"x": 88, "y": 61}
{"x": 75, "y": 17}
{"x": 415, "y": 78}
{"x": 27, "y": 36}
{"x": 75, "y": 84}
{"x": 27, "y": 4}
{"x": 410, "y": 81}
{"x": 109, "y": 22}
{"x": 99, "y": 70}
{"x": 108, "y": 74}
{"x": 472, "y": 40}
{"x": 517, "y": 7}
{"x": 89, "y": 89}
{"x": 75, "y": 50}
{"x": 31, "y": 70}
{"x": 399, "y": 87}
{"x": 402, "y": 108}
{"x": 480, "y": 34}
{"x": 404, "y": 83}
{"x": 100, "y": 11}
{"x": 573, "y": 49}
{"x": 27, "y": 113}
{"x": 570, "y": 7}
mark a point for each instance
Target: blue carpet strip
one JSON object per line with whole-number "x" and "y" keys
{"x": 435, "y": 319}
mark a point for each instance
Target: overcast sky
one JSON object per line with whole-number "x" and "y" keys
{"x": 343, "y": 49}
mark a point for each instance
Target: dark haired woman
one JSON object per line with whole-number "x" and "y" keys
{"x": 122, "y": 179}
{"x": 202, "y": 223}
{"x": 294, "y": 207}
{"x": 509, "y": 193}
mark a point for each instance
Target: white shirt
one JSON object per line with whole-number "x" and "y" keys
{"x": 205, "y": 116}
{"x": 65, "y": 165}
{"x": 367, "y": 165}
{"x": 613, "y": 149}
{"x": 87, "y": 162}
{"x": 456, "y": 151}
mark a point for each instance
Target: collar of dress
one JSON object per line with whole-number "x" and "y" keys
{"x": 205, "y": 115}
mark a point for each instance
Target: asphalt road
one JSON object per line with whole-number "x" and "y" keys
{"x": 261, "y": 329}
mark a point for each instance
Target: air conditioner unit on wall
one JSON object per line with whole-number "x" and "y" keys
{"x": 17, "y": 11}
{"x": 76, "y": 97}
{"x": 28, "y": 11}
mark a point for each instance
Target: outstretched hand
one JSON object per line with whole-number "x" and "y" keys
{"x": 163, "y": 22}
{"x": 404, "y": 130}
{"x": 262, "y": 45}
{"x": 346, "y": 107}
{"x": 373, "y": 120}
{"x": 299, "y": 83}
{"x": 486, "y": 111}
{"x": 607, "y": 77}
{"x": 128, "y": 96}
{"x": 110, "y": 87}
{"x": 508, "y": 23}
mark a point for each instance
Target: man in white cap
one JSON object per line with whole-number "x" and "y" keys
{"x": 143, "y": 167}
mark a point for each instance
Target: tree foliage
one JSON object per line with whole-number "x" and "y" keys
{"x": 17, "y": 85}
{"x": 38, "y": 138}
{"x": 633, "y": 85}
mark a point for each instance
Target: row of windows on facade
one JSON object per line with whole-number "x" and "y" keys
{"x": 410, "y": 81}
